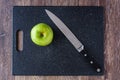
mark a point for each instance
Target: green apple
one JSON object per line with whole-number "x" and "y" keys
{"x": 42, "y": 34}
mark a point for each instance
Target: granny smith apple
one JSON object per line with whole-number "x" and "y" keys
{"x": 42, "y": 34}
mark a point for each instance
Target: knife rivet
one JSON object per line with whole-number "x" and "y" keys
{"x": 85, "y": 54}
{"x": 91, "y": 62}
{"x": 98, "y": 69}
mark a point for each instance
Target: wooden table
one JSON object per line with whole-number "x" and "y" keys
{"x": 111, "y": 38}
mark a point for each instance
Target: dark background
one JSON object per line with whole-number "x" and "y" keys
{"x": 60, "y": 57}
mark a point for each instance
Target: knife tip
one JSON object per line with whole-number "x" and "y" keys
{"x": 46, "y": 10}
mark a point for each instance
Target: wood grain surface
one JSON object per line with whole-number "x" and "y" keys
{"x": 111, "y": 37}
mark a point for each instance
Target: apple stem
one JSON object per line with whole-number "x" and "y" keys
{"x": 41, "y": 34}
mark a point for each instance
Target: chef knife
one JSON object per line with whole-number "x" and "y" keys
{"x": 73, "y": 39}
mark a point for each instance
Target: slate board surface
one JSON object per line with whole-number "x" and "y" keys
{"x": 60, "y": 57}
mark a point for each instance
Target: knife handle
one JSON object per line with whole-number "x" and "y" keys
{"x": 91, "y": 61}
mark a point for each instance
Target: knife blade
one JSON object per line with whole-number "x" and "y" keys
{"x": 73, "y": 39}
{"x": 64, "y": 29}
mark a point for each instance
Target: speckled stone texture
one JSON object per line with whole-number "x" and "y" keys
{"x": 60, "y": 57}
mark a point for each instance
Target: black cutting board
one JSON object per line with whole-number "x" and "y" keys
{"x": 60, "y": 57}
